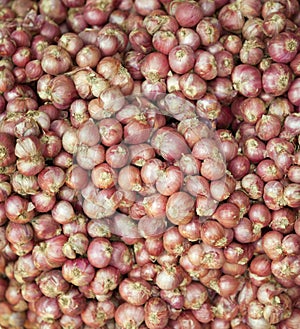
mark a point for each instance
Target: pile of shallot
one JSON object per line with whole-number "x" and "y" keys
{"x": 149, "y": 164}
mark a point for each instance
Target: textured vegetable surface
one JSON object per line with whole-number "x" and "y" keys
{"x": 149, "y": 164}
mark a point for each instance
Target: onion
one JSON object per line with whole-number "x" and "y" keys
{"x": 169, "y": 144}
{"x": 241, "y": 76}
{"x": 135, "y": 291}
{"x": 97, "y": 258}
{"x": 106, "y": 280}
{"x": 78, "y": 272}
{"x": 169, "y": 277}
{"x": 56, "y": 60}
{"x": 174, "y": 243}
{"x": 180, "y": 208}
{"x": 232, "y": 43}
{"x": 97, "y": 313}
{"x": 252, "y": 51}
{"x": 51, "y": 179}
{"x": 129, "y": 315}
{"x": 155, "y": 67}
{"x": 117, "y": 156}
{"x": 181, "y": 59}
{"x": 7, "y": 156}
{"x": 209, "y": 29}
{"x": 156, "y": 313}
{"x": 279, "y": 85}
{"x": 185, "y": 317}
{"x": 292, "y": 93}
{"x": 129, "y": 179}
{"x": 223, "y": 90}
{"x": 192, "y": 86}
{"x": 213, "y": 233}
{"x": 52, "y": 283}
{"x": 70, "y": 42}
{"x": 158, "y": 20}
{"x": 7, "y": 79}
{"x": 206, "y": 65}
{"x": 187, "y": 36}
{"x": 231, "y": 18}
{"x": 227, "y": 214}
{"x": 291, "y": 321}
{"x": 239, "y": 166}
{"x": 141, "y": 40}
{"x": 47, "y": 308}
{"x": 73, "y": 321}
{"x": 145, "y": 8}
{"x": 283, "y": 220}
{"x": 62, "y": 91}
{"x": 18, "y": 209}
{"x": 33, "y": 70}
{"x": 283, "y": 47}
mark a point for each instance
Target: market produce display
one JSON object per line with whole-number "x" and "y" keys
{"x": 149, "y": 164}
